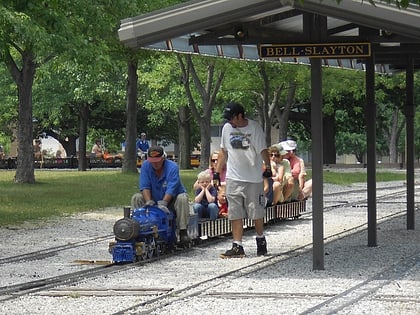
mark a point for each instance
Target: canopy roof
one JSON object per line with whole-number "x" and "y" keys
{"x": 235, "y": 29}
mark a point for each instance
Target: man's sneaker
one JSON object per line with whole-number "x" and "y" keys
{"x": 261, "y": 246}
{"x": 237, "y": 251}
{"x": 183, "y": 236}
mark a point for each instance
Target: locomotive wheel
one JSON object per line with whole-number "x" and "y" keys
{"x": 158, "y": 250}
{"x": 143, "y": 256}
{"x": 150, "y": 252}
{"x": 150, "y": 248}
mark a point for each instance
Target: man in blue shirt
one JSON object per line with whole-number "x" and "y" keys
{"x": 142, "y": 145}
{"x": 160, "y": 183}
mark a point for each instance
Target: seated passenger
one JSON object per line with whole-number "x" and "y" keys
{"x": 97, "y": 149}
{"x": 222, "y": 202}
{"x": 283, "y": 175}
{"x": 298, "y": 191}
{"x": 205, "y": 197}
{"x": 268, "y": 191}
{"x": 212, "y": 168}
{"x": 160, "y": 183}
{"x": 37, "y": 150}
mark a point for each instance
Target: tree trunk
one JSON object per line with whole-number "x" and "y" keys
{"x": 25, "y": 157}
{"x": 69, "y": 145}
{"x": 130, "y": 154}
{"x": 283, "y": 115}
{"x": 83, "y": 125}
{"x": 208, "y": 93}
{"x": 329, "y": 132}
{"x": 184, "y": 135}
{"x": 393, "y": 139}
{"x": 205, "y": 143}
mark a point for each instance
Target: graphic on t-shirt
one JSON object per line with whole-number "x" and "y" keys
{"x": 239, "y": 141}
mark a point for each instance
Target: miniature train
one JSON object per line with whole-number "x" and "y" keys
{"x": 146, "y": 232}
{"x": 108, "y": 161}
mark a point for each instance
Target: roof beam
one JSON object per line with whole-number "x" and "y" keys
{"x": 187, "y": 18}
{"x": 400, "y": 21}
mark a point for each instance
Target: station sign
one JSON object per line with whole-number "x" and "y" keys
{"x": 328, "y": 50}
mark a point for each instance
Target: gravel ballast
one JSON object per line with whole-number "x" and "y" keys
{"x": 357, "y": 279}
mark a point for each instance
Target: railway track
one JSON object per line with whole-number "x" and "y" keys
{"x": 367, "y": 288}
{"x": 207, "y": 287}
{"x": 52, "y": 251}
{"x": 15, "y": 291}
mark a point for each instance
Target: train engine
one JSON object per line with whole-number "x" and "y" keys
{"x": 142, "y": 234}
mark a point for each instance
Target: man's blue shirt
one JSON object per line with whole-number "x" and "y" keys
{"x": 168, "y": 183}
{"x": 142, "y": 145}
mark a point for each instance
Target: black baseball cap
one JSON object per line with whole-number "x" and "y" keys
{"x": 232, "y": 109}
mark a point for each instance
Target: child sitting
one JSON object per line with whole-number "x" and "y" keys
{"x": 222, "y": 202}
{"x": 205, "y": 197}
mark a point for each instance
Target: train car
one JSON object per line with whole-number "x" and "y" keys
{"x": 147, "y": 232}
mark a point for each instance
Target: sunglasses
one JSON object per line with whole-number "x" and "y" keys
{"x": 215, "y": 160}
{"x": 276, "y": 155}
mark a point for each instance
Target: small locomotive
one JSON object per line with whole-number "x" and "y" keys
{"x": 150, "y": 231}
{"x": 146, "y": 232}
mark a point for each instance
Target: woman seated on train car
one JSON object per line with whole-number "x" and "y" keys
{"x": 205, "y": 197}
{"x": 212, "y": 167}
{"x": 302, "y": 188}
{"x": 283, "y": 175}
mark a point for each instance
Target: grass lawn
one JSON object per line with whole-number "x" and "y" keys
{"x": 62, "y": 192}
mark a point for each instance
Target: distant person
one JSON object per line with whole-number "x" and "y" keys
{"x": 142, "y": 146}
{"x": 97, "y": 149}
{"x": 243, "y": 151}
{"x": 205, "y": 201}
{"x": 2, "y": 155}
{"x": 160, "y": 183}
{"x": 37, "y": 150}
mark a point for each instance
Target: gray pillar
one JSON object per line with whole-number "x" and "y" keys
{"x": 315, "y": 28}
{"x": 371, "y": 149}
{"x": 317, "y": 171}
{"x": 409, "y": 114}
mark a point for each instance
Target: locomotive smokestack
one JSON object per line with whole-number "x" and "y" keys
{"x": 127, "y": 212}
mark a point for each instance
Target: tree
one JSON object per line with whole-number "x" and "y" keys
{"x": 31, "y": 34}
{"x": 207, "y": 88}
{"x": 390, "y": 97}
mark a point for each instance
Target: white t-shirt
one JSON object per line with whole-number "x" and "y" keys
{"x": 243, "y": 146}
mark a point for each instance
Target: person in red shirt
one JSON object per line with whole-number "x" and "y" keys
{"x": 222, "y": 202}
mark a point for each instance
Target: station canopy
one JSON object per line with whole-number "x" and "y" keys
{"x": 238, "y": 29}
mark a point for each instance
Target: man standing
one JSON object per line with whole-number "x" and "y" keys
{"x": 160, "y": 183}
{"x": 142, "y": 145}
{"x": 243, "y": 150}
